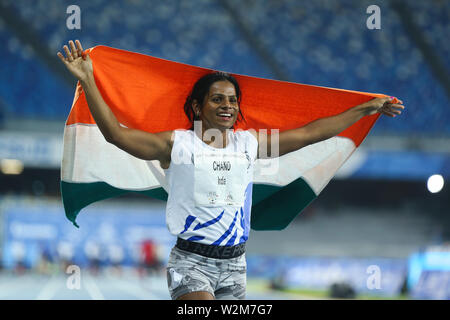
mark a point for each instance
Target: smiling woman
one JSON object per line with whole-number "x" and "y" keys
{"x": 218, "y": 110}
{"x": 215, "y": 89}
{"x": 210, "y": 191}
{"x": 209, "y": 197}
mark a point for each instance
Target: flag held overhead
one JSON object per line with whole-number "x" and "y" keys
{"x": 148, "y": 93}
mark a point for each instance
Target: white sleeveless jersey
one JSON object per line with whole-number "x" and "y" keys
{"x": 210, "y": 189}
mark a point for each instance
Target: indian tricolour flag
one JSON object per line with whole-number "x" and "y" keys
{"x": 148, "y": 93}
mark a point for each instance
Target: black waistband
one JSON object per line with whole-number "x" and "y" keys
{"x": 211, "y": 251}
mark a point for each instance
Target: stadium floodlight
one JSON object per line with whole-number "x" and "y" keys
{"x": 435, "y": 183}
{"x": 11, "y": 166}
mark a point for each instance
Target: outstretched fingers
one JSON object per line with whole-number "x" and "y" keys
{"x": 68, "y": 54}
{"x": 397, "y": 106}
{"x": 79, "y": 48}
{"x": 392, "y": 109}
{"x": 74, "y": 50}
{"x": 78, "y": 43}
{"x": 61, "y": 56}
{"x": 388, "y": 113}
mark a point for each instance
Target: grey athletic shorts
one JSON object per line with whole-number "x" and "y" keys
{"x": 190, "y": 272}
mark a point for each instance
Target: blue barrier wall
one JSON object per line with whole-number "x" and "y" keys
{"x": 320, "y": 273}
{"x": 38, "y": 229}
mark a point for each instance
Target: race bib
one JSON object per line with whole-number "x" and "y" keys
{"x": 220, "y": 179}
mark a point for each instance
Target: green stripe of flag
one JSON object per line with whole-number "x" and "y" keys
{"x": 76, "y": 196}
{"x": 273, "y": 207}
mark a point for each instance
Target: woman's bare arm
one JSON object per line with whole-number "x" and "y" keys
{"x": 325, "y": 128}
{"x": 141, "y": 144}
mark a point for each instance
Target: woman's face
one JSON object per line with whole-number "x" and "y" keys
{"x": 220, "y": 106}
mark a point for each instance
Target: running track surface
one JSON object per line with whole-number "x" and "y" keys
{"x": 105, "y": 286}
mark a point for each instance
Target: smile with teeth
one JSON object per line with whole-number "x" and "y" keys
{"x": 224, "y": 115}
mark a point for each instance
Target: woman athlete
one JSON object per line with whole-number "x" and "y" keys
{"x": 209, "y": 172}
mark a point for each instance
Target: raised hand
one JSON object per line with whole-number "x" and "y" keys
{"x": 80, "y": 66}
{"x": 384, "y": 106}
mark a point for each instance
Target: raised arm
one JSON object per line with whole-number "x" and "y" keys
{"x": 141, "y": 144}
{"x": 325, "y": 128}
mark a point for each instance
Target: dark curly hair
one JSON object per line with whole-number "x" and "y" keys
{"x": 201, "y": 89}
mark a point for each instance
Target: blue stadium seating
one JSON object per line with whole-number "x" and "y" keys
{"x": 327, "y": 43}
{"x": 323, "y": 43}
{"x": 433, "y": 19}
{"x": 27, "y": 88}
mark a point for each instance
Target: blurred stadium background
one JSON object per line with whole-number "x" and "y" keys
{"x": 376, "y": 218}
